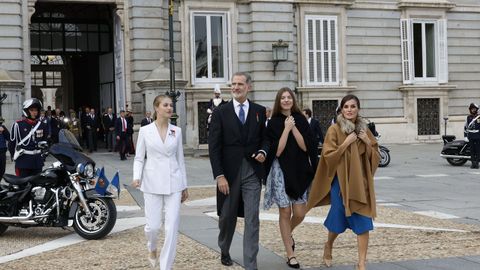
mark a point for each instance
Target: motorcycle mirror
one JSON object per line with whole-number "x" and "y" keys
{"x": 42, "y": 144}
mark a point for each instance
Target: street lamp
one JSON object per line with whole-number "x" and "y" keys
{"x": 280, "y": 53}
{"x": 172, "y": 93}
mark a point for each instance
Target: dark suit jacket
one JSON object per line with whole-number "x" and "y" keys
{"x": 107, "y": 123}
{"x": 129, "y": 124}
{"x": 93, "y": 123}
{"x": 227, "y": 147}
{"x": 118, "y": 128}
{"x": 317, "y": 131}
{"x": 145, "y": 122}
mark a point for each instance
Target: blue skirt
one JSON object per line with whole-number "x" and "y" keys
{"x": 337, "y": 222}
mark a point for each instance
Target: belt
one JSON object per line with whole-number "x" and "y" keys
{"x": 32, "y": 152}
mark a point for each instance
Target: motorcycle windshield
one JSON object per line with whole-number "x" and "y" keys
{"x": 67, "y": 137}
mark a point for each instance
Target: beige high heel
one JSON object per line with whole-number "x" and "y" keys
{"x": 153, "y": 261}
{"x": 358, "y": 267}
{"x": 327, "y": 256}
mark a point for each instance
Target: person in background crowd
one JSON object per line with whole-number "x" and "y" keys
{"x": 109, "y": 120}
{"x": 131, "y": 146}
{"x": 24, "y": 138}
{"x": 93, "y": 127}
{"x": 147, "y": 120}
{"x": 46, "y": 121}
{"x": 344, "y": 179}
{"x": 74, "y": 125}
{"x": 4, "y": 139}
{"x": 121, "y": 134}
{"x": 268, "y": 114}
{"x": 315, "y": 126}
{"x": 55, "y": 126}
{"x": 83, "y": 120}
{"x": 63, "y": 120}
{"x": 472, "y": 128}
{"x": 214, "y": 103}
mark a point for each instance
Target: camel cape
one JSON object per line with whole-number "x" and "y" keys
{"x": 354, "y": 165}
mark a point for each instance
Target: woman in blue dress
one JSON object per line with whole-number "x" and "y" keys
{"x": 344, "y": 179}
{"x": 289, "y": 166}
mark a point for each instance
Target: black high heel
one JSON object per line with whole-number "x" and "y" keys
{"x": 295, "y": 265}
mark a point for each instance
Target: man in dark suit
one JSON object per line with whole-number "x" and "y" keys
{"x": 121, "y": 132}
{"x": 109, "y": 128}
{"x": 147, "y": 120}
{"x": 55, "y": 126}
{"x": 83, "y": 121}
{"x": 237, "y": 146}
{"x": 315, "y": 126}
{"x": 93, "y": 126}
{"x": 130, "y": 147}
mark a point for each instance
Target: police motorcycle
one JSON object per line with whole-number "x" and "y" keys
{"x": 384, "y": 151}
{"x": 63, "y": 194}
{"x": 456, "y": 152}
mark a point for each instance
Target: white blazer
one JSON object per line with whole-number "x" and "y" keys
{"x": 163, "y": 169}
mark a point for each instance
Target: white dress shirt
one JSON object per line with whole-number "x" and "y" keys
{"x": 236, "y": 106}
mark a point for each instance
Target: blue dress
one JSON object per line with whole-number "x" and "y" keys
{"x": 336, "y": 220}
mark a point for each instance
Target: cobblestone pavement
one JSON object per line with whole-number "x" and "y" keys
{"x": 400, "y": 235}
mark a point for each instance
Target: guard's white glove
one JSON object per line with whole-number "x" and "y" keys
{"x": 466, "y": 139}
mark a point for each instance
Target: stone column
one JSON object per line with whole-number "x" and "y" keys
{"x": 49, "y": 97}
{"x": 158, "y": 83}
{"x": 11, "y": 109}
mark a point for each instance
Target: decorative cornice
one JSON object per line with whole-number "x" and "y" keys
{"x": 322, "y": 2}
{"x": 329, "y": 88}
{"x": 441, "y": 4}
{"x": 415, "y": 88}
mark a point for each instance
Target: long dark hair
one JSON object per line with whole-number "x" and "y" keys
{"x": 277, "y": 109}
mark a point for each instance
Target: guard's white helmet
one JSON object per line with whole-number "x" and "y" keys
{"x": 29, "y": 103}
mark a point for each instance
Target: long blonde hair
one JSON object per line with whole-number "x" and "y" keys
{"x": 156, "y": 103}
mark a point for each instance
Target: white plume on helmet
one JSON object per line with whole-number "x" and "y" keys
{"x": 217, "y": 90}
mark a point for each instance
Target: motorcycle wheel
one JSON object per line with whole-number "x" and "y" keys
{"x": 384, "y": 158}
{"x": 457, "y": 161}
{"x": 104, "y": 216}
{"x": 3, "y": 228}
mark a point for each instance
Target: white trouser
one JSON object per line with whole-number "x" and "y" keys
{"x": 157, "y": 208}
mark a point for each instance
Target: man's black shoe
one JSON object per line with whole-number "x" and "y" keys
{"x": 226, "y": 260}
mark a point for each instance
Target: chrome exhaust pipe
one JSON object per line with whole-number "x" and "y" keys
{"x": 454, "y": 156}
{"x": 22, "y": 220}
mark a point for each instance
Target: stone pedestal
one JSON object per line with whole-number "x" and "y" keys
{"x": 158, "y": 83}
{"x": 11, "y": 109}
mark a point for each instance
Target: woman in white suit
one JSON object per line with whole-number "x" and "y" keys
{"x": 159, "y": 171}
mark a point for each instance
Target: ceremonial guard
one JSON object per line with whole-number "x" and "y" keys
{"x": 74, "y": 125}
{"x": 472, "y": 127}
{"x": 24, "y": 138}
{"x": 214, "y": 103}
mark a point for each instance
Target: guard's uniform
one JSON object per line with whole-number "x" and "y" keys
{"x": 473, "y": 135}
{"x": 30, "y": 162}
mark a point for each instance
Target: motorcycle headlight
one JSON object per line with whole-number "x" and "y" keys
{"x": 86, "y": 170}
{"x": 89, "y": 171}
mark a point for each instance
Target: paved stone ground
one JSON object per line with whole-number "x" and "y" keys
{"x": 390, "y": 247}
